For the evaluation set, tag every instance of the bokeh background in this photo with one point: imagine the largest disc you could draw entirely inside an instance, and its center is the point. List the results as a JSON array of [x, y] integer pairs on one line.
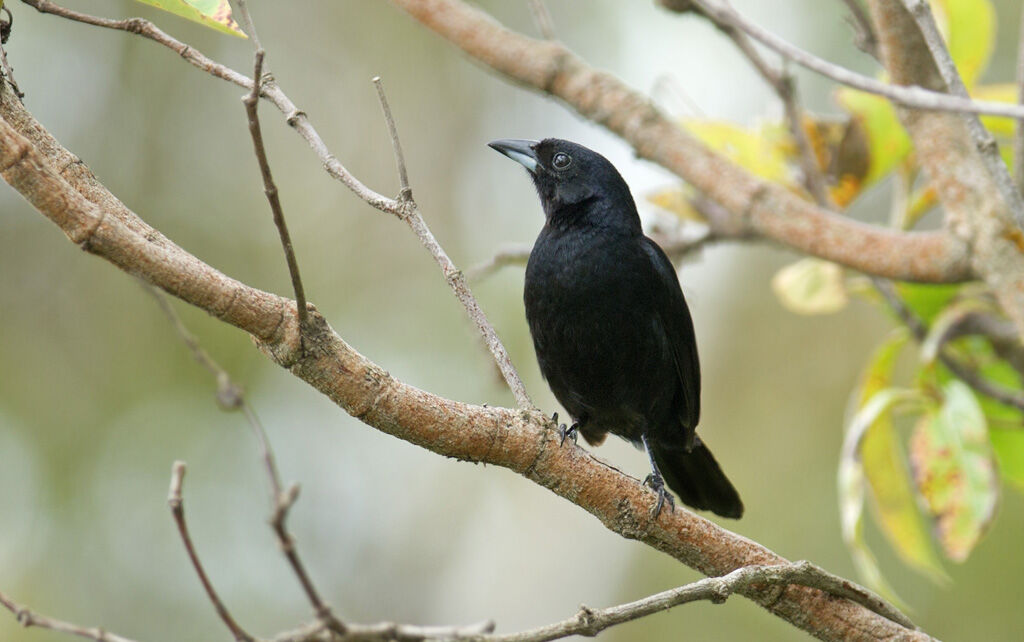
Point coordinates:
[[98, 396]]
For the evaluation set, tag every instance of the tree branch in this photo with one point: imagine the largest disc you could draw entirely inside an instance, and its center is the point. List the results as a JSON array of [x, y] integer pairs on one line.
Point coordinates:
[[757, 207], [973, 200], [589, 622], [522, 441]]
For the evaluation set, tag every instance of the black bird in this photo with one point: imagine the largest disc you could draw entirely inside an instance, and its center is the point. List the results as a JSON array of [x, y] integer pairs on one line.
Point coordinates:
[[610, 326]]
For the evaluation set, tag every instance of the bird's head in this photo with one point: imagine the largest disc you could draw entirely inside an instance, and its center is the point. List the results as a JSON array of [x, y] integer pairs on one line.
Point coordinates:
[[571, 178]]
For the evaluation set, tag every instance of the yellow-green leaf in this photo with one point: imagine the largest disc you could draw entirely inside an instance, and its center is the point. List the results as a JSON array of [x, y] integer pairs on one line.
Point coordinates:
[[885, 469], [811, 286], [852, 486], [215, 14], [757, 150], [969, 27], [954, 469], [1009, 448]]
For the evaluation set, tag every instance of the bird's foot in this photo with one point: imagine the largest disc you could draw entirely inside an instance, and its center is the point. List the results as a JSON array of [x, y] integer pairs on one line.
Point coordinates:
[[563, 431], [657, 484], [572, 432]]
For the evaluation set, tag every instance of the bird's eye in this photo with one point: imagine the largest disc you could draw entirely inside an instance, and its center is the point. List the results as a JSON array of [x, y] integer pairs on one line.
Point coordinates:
[[561, 161]]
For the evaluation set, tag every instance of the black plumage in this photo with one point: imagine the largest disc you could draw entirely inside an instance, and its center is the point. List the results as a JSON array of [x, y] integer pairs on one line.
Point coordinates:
[[610, 326]]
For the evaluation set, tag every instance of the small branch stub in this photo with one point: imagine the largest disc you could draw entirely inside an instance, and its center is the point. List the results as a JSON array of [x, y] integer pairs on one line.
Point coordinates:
[[405, 194]]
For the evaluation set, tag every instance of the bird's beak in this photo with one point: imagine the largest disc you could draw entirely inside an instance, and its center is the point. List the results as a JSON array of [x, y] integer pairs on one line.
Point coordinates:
[[519, 150]]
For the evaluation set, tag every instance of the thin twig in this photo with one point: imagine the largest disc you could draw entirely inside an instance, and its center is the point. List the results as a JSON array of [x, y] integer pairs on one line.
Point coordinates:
[[409, 211], [542, 18], [175, 501], [866, 40], [299, 121], [914, 97], [960, 370], [982, 138], [278, 521], [251, 102], [403, 174], [27, 619], [1018, 136], [589, 622]]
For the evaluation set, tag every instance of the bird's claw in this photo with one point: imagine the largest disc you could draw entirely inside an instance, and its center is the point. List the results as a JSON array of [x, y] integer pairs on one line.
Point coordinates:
[[657, 484], [572, 432], [563, 431]]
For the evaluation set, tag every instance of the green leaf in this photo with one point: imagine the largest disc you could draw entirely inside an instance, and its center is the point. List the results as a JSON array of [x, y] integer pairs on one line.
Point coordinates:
[[927, 300], [884, 465], [969, 27], [811, 286], [1009, 448], [215, 14], [954, 469]]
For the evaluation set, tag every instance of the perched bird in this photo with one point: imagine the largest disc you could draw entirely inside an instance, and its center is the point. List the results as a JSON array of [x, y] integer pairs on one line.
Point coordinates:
[[611, 329]]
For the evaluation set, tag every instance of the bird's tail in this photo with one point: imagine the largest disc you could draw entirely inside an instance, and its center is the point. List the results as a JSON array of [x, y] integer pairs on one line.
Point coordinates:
[[698, 480]]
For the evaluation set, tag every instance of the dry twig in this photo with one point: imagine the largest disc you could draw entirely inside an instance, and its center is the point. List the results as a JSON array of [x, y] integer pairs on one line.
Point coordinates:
[[913, 97], [175, 501]]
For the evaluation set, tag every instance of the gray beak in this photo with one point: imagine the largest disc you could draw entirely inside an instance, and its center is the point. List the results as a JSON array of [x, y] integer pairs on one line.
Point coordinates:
[[519, 150]]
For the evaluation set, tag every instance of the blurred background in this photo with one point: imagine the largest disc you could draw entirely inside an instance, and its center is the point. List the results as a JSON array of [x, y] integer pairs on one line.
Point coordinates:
[[98, 396]]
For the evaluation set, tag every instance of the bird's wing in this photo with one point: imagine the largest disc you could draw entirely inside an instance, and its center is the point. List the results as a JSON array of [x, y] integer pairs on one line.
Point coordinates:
[[675, 319]]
